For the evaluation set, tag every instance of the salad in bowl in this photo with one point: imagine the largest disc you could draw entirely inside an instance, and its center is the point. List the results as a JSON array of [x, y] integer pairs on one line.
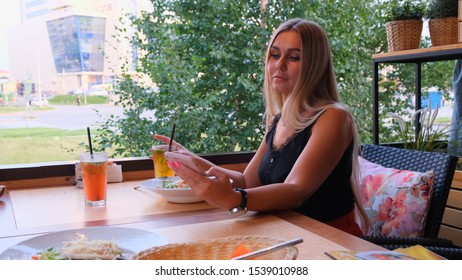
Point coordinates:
[[172, 189]]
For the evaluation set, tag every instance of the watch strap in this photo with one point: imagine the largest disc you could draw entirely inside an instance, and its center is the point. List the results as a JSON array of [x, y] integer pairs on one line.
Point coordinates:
[[243, 204]]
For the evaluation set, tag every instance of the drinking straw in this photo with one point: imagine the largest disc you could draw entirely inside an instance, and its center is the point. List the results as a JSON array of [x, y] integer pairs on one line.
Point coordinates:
[[171, 137], [89, 141]]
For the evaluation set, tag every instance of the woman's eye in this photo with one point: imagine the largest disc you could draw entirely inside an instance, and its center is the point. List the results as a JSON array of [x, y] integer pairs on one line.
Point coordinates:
[[294, 58], [275, 56]]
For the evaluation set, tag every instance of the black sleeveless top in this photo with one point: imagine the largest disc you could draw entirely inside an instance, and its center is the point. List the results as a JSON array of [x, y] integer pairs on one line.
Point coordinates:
[[333, 199]]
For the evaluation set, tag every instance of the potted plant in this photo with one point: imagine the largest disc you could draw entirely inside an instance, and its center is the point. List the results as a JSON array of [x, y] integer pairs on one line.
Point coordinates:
[[442, 24], [404, 22], [430, 137]]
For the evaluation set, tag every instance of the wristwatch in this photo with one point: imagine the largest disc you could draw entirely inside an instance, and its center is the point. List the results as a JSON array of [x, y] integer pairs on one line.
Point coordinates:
[[241, 209]]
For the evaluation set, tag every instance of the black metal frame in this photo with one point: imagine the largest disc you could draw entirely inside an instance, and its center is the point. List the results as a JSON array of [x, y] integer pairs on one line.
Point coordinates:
[[417, 57]]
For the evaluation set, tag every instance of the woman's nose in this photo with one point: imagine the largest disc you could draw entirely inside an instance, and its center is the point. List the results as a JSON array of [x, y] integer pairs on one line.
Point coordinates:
[[281, 64]]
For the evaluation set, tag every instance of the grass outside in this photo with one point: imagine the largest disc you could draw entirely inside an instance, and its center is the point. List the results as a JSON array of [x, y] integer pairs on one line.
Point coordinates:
[[72, 99], [58, 100], [443, 120], [32, 145], [14, 109]]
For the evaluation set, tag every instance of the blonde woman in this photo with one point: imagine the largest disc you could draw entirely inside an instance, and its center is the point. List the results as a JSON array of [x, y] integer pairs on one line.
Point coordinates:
[[307, 160]]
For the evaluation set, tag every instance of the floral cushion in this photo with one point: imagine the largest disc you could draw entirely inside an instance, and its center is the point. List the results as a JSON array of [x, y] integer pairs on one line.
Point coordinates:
[[396, 201]]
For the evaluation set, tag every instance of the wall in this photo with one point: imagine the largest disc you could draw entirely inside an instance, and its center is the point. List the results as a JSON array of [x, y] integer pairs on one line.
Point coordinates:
[[451, 227]]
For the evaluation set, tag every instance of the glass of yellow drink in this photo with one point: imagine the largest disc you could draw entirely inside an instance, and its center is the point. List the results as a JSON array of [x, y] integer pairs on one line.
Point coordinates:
[[161, 168], [94, 173]]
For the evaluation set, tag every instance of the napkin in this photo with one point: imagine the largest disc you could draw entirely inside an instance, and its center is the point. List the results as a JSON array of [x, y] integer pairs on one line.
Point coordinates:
[[420, 253]]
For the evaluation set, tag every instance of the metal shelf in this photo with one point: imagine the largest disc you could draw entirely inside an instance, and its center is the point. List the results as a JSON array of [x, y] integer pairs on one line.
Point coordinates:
[[416, 56]]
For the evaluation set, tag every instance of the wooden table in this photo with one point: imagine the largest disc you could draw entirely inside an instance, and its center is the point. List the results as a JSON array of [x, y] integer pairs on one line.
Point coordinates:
[[25, 213]]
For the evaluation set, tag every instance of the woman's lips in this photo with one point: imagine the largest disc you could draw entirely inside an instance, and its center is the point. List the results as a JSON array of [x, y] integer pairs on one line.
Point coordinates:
[[279, 78]]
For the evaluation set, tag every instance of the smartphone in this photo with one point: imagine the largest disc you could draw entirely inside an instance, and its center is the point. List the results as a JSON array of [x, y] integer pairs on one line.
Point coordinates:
[[187, 160]]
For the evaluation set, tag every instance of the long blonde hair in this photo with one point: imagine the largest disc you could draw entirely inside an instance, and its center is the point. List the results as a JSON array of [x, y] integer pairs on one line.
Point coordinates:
[[315, 91]]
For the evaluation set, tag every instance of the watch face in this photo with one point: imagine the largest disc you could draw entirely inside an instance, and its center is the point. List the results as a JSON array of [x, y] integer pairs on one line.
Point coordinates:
[[237, 211]]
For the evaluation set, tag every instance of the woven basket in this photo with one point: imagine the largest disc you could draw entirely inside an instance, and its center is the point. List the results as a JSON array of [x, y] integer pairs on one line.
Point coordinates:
[[217, 249], [403, 34], [443, 31]]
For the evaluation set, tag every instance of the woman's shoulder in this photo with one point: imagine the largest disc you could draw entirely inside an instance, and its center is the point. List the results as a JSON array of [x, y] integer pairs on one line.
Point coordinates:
[[335, 111], [335, 123], [335, 115]]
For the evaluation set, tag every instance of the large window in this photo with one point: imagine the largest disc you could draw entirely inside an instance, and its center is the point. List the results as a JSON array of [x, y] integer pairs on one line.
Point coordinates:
[[198, 64]]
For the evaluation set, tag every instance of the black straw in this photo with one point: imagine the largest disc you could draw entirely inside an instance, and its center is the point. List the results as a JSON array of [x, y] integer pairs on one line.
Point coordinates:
[[89, 141], [171, 137]]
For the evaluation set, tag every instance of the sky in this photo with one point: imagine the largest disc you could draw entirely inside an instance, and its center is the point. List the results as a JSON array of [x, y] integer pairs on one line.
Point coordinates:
[[9, 16]]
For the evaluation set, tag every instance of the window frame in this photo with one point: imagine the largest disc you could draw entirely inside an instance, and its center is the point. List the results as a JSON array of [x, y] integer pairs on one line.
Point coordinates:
[[46, 170]]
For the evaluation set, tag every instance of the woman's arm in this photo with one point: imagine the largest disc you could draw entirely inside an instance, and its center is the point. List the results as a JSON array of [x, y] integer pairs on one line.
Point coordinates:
[[331, 136], [248, 179]]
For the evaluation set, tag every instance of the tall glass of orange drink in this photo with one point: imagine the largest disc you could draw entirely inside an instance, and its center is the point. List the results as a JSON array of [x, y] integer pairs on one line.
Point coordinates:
[[161, 168], [94, 173]]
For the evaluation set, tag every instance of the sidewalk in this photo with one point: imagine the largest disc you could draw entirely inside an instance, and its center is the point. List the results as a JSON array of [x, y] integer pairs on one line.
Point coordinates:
[[69, 117]]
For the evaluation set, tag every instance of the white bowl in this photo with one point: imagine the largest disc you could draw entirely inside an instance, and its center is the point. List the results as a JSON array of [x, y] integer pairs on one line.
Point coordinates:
[[175, 195]]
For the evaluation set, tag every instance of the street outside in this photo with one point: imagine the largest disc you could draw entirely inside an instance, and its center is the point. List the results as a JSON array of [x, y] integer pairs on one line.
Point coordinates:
[[71, 117], [74, 117]]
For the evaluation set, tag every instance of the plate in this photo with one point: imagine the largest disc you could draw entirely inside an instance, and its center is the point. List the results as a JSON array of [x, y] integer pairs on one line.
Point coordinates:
[[131, 241], [175, 195]]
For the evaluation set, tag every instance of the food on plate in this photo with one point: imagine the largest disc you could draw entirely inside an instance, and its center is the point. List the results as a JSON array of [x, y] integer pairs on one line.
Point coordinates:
[[82, 249], [91, 249], [171, 184], [48, 254], [241, 250]]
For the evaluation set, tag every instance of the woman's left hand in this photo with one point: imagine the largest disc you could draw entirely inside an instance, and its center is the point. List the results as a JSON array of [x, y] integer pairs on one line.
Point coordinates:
[[214, 186]]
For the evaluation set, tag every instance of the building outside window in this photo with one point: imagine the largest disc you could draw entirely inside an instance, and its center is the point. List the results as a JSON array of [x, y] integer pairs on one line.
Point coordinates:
[[77, 43], [58, 48]]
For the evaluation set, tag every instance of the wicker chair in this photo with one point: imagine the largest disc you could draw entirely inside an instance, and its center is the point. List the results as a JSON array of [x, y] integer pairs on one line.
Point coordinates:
[[444, 166]]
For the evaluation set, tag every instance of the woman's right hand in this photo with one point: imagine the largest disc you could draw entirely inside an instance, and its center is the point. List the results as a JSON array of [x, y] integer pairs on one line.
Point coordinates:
[[214, 186]]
